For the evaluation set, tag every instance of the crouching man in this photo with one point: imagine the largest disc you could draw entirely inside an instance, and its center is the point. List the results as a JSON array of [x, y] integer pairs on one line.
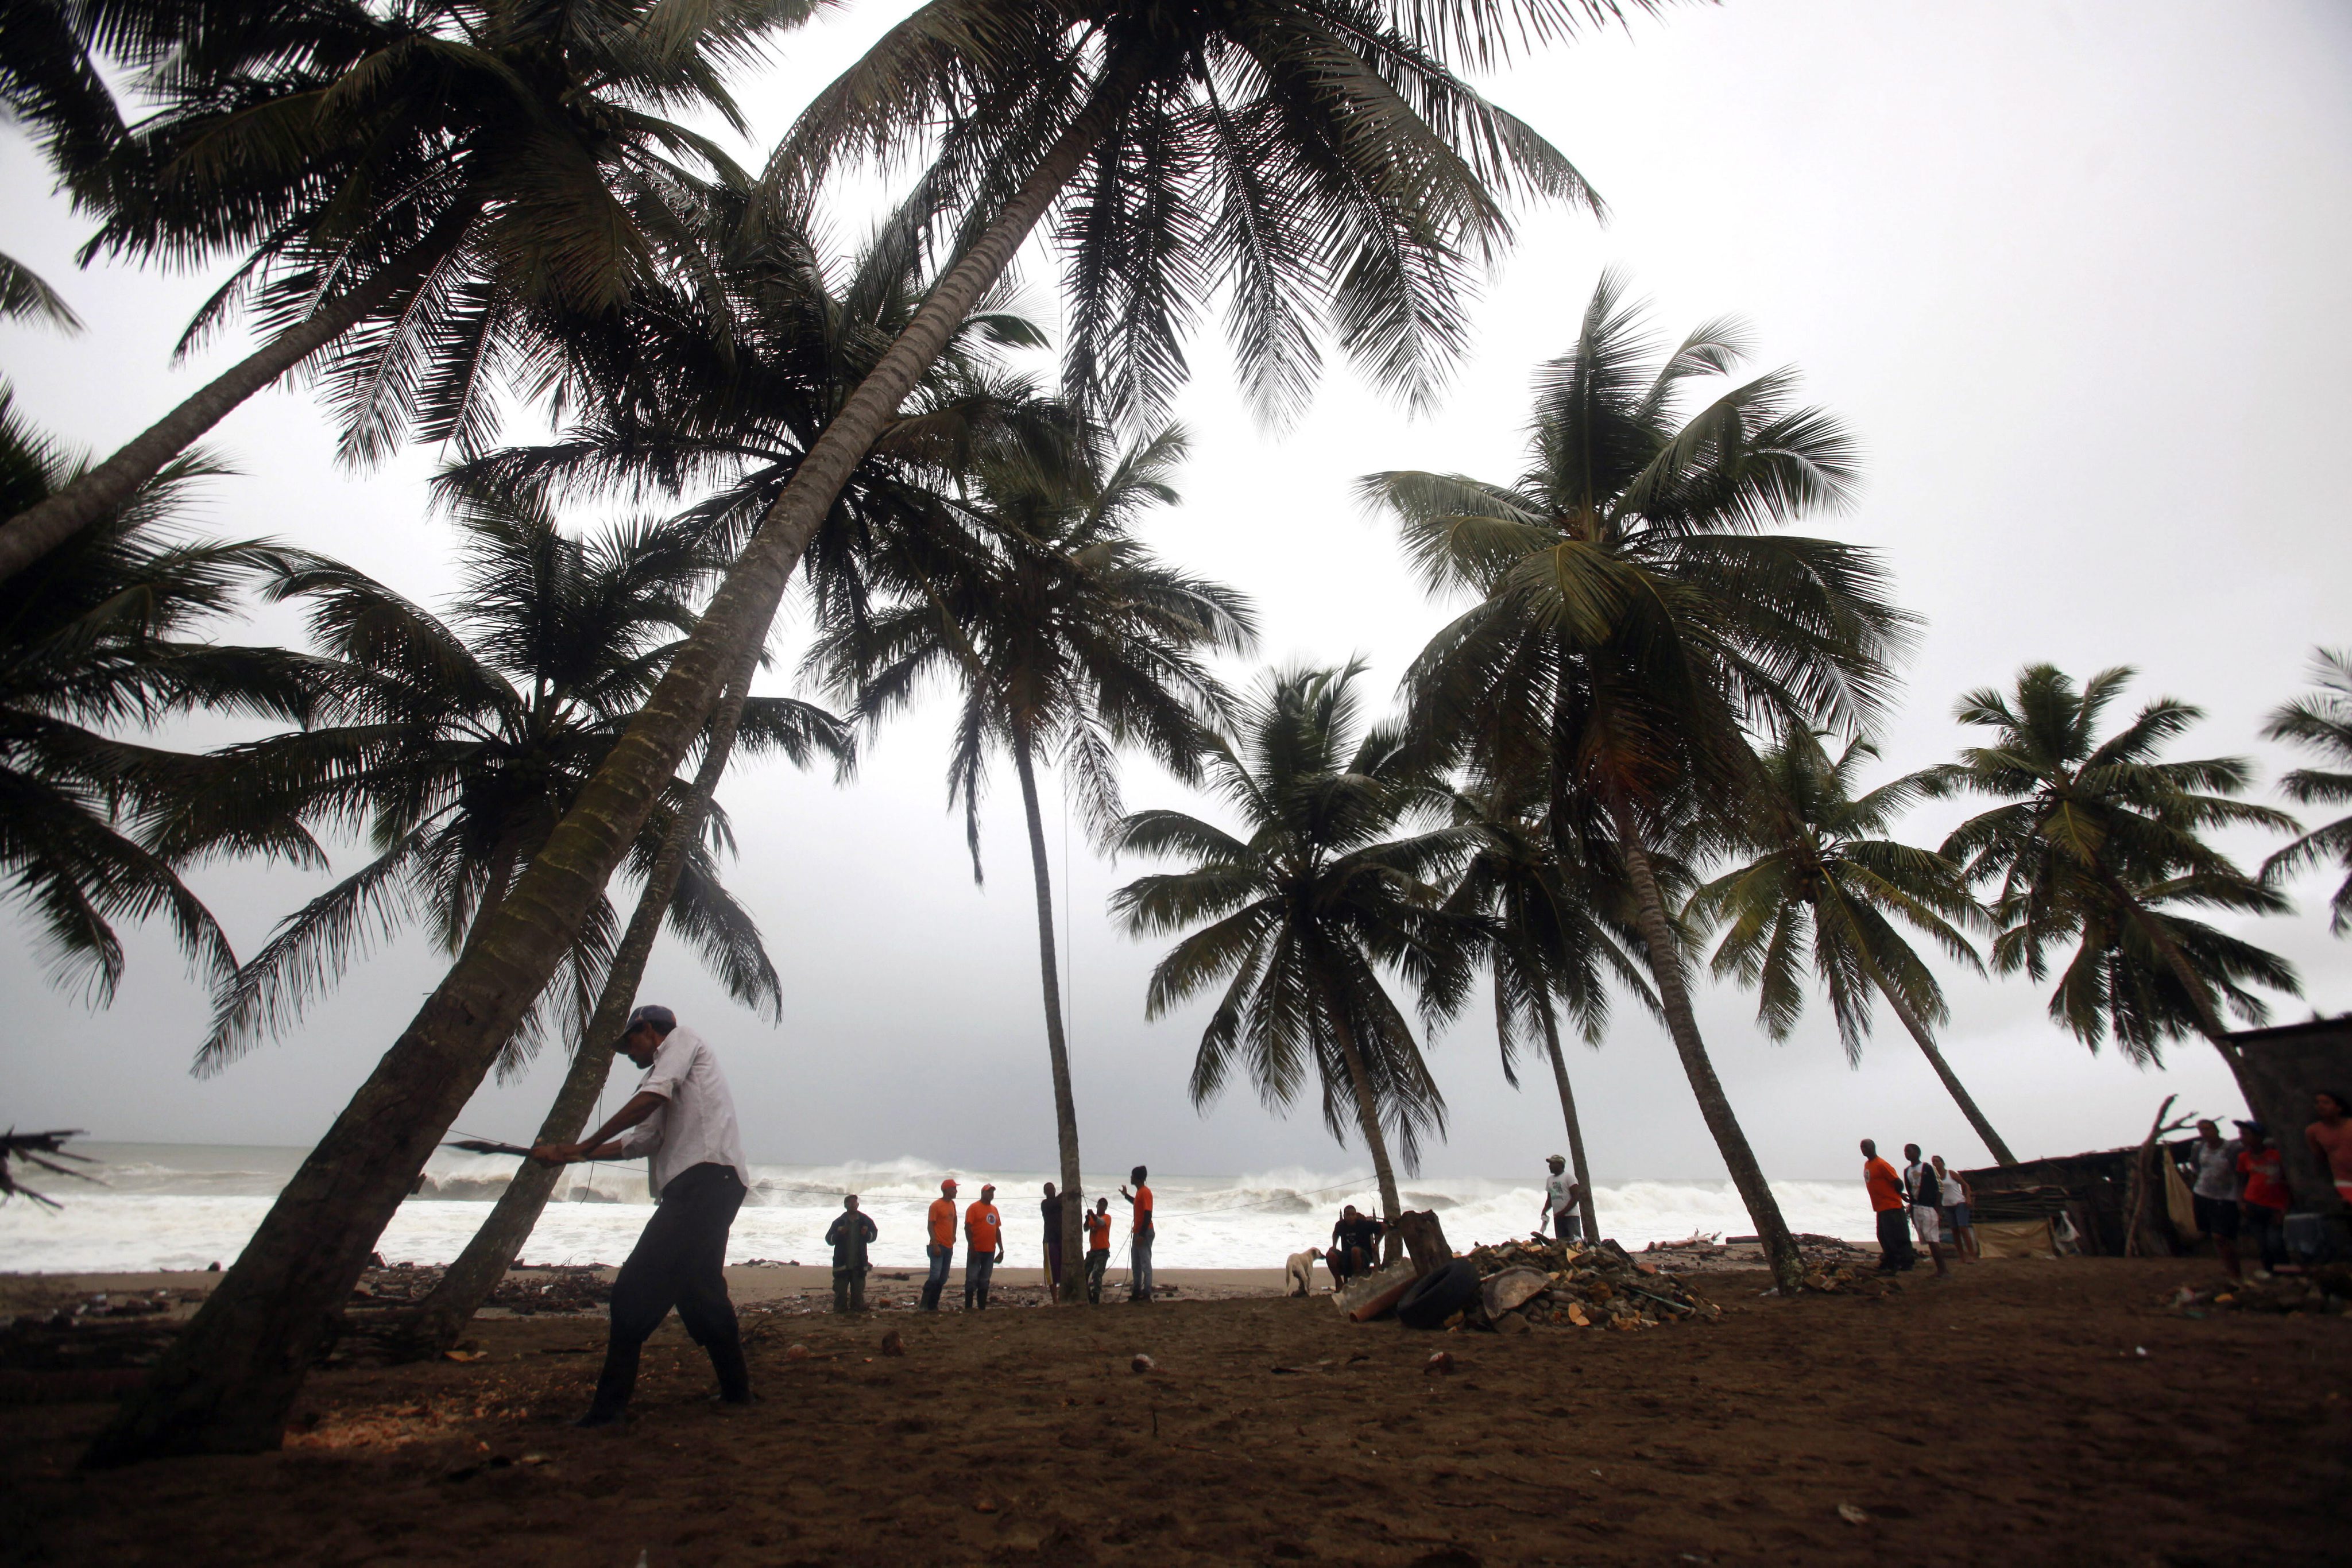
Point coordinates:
[[683, 1119]]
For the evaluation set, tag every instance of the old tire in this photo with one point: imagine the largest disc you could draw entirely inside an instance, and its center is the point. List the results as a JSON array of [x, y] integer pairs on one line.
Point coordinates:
[[1433, 1298]]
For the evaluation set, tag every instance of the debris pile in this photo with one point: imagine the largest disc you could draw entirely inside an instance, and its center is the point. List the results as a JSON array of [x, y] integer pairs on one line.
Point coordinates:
[[98, 1333], [2325, 1289], [541, 1289], [1539, 1282]]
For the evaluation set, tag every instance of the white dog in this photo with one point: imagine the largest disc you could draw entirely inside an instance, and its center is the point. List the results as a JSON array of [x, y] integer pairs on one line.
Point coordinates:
[[1298, 1274]]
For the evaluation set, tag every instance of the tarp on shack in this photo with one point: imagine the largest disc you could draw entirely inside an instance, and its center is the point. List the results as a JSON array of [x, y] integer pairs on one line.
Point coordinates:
[[2015, 1238]]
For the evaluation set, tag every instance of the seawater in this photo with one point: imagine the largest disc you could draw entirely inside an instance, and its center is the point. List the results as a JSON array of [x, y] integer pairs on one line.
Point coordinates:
[[188, 1205]]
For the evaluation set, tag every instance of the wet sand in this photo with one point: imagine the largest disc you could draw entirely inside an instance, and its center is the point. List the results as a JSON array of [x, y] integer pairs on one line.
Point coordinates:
[[2007, 1415]]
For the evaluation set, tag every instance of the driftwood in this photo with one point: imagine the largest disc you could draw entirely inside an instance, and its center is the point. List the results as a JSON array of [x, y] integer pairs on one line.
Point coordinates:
[[2143, 1176], [1425, 1237]]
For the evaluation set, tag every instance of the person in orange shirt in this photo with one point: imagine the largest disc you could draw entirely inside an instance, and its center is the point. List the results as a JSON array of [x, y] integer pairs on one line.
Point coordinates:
[[1887, 1200], [939, 1245], [1140, 1243], [1097, 1250], [983, 1235]]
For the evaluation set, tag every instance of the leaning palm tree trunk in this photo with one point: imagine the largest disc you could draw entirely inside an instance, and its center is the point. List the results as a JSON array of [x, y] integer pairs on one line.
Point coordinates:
[[1575, 1127], [1368, 1113], [228, 1382], [1057, 1045], [443, 1315], [40, 528], [1665, 966], [1952, 1085]]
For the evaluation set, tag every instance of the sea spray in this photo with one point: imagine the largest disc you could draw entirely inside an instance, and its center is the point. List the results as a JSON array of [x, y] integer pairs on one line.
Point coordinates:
[[173, 1206]]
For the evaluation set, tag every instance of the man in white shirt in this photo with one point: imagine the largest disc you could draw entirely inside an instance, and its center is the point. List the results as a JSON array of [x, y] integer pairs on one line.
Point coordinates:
[[1924, 1193], [2214, 1195], [1561, 1198], [683, 1119]]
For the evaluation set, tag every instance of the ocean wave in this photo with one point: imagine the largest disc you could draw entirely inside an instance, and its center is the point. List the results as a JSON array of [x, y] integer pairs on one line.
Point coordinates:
[[1253, 1221]]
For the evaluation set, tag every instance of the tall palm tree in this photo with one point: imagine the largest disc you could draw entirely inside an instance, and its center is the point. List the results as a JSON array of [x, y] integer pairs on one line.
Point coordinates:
[[731, 399], [1826, 883], [1559, 931], [432, 189], [1067, 640], [2098, 844], [108, 636], [458, 742], [1637, 608], [2321, 722], [1296, 916], [1359, 179]]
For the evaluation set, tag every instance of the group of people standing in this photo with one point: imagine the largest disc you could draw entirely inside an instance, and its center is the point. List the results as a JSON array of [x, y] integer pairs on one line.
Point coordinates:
[[983, 1235], [1927, 1204], [2240, 1192]]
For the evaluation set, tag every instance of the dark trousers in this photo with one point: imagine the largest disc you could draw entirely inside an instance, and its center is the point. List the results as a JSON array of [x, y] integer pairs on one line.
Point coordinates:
[[1098, 1259], [1569, 1226], [978, 1267], [1894, 1250], [941, 1258], [849, 1289], [2266, 1228], [678, 1261], [1138, 1258]]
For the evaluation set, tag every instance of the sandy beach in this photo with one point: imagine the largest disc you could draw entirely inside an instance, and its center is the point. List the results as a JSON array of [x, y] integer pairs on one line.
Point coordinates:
[[2021, 1411]]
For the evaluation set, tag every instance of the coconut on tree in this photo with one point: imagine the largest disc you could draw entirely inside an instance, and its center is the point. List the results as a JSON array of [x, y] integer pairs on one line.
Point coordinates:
[[1827, 887], [2098, 846], [1297, 919], [1636, 608]]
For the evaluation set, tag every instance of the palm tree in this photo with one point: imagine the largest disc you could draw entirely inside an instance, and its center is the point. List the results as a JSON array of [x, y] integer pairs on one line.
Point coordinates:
[[1826, 883], [108, 636], [1357, 179], [731, 399], [2098, 845], [1558, 932], [2321, 722], [459, 743], [1297, 919], [1636, 610], [1067, 640], [433, 188]]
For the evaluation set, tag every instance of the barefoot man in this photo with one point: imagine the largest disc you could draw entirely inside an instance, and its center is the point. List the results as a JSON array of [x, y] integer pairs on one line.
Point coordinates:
[[683, 1119]]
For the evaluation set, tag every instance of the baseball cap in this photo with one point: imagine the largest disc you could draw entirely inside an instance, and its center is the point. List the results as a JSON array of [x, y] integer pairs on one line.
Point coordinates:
[[660, 1017]]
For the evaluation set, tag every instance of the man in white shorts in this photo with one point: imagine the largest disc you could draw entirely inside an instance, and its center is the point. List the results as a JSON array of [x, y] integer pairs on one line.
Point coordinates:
[[1925, 1194]]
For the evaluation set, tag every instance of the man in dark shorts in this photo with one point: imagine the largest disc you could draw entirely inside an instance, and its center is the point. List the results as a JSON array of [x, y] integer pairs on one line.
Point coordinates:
[[2214, 1193]]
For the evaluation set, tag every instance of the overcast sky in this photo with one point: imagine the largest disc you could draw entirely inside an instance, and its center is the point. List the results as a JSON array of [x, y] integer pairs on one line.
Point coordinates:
[[2075, 276]]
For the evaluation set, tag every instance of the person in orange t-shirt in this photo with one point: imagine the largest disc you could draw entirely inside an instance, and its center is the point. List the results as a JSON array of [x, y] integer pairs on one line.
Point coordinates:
[[1887, 1202], [1140, 1243], [1097, 1250], [939, 1244], [983, 1234]]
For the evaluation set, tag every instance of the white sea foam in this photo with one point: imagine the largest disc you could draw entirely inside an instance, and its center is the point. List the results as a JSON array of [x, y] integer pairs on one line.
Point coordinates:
[[166, 1207]]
